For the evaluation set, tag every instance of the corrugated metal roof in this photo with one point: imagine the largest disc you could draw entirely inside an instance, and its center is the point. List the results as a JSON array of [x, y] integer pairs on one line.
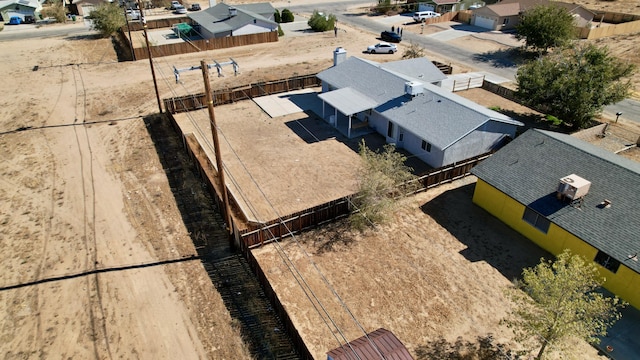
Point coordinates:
[[348, 101], [386, 344], [529, 169]]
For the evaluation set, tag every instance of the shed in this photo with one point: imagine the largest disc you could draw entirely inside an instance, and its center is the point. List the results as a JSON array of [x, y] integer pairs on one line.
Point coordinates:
[[380, 344]]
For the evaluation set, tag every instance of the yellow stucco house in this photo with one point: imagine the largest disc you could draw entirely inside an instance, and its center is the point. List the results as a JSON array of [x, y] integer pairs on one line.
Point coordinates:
[[564, 193]]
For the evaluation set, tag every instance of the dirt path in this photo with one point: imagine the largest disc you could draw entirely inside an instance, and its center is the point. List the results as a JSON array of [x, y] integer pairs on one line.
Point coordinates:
[[86, 213]]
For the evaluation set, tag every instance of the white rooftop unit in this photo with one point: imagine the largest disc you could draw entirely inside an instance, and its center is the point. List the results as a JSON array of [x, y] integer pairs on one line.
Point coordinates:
[[233, 11], [573, 187], [413, 88]]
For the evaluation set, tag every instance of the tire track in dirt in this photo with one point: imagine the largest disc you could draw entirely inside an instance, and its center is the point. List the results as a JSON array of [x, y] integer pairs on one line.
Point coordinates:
[[96, 309], [48, 222]]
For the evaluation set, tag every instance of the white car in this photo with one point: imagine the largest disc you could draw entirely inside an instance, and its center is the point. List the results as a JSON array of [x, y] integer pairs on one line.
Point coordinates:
[[382, 48], [180, 9], [421, 16]]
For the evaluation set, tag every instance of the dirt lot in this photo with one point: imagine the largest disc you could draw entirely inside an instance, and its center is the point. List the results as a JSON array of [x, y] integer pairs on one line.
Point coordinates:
[[76, 200]]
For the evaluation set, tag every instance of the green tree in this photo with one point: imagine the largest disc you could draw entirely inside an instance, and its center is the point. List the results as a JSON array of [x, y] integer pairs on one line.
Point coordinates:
[[321, 22], [280, 31], [559, 299], [413, 51], [382, 180], [107, 18], [276, 16], [574, 84], [384, 6], [287, 16], [546, 26], [55, 10]]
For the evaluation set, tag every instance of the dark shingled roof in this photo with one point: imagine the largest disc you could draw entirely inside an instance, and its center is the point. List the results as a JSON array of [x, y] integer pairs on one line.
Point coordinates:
[[385, 342], [529, 170]]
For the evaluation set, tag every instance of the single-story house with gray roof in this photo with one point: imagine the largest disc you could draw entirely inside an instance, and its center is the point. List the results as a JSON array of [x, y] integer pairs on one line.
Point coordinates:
[[564, 193], [224, 20], [506, 14], [402, 101], [19, 8]]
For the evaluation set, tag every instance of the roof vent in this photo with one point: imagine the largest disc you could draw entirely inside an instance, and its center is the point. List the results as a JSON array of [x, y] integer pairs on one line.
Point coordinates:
[[573, 187], [233, 11]]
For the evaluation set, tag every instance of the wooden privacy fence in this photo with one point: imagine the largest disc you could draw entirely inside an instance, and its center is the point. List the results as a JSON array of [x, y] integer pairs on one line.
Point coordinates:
[[155, 24], [609, 30], [258, 235], [244, 92], [295, 223], [200, 45], [290, 328], [450, 16], [446, 69]]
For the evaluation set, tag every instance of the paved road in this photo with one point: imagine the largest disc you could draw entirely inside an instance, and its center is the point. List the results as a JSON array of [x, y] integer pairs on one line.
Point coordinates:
[[498, 64], [28, 31]]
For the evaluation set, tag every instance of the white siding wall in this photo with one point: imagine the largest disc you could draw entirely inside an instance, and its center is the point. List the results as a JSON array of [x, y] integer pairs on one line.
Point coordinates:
[[413, 144]]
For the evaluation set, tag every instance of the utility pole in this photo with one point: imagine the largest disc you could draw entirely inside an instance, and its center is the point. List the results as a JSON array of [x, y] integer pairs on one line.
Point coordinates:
[[153, 72], [216, 143]]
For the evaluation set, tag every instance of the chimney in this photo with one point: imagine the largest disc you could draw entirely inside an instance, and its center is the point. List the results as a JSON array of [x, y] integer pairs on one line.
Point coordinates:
[[233, 11], [339, 55]]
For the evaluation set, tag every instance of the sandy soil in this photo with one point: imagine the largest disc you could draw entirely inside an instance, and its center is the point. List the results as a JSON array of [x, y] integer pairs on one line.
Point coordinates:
[[439, 271], [76, 199], [82, 190]]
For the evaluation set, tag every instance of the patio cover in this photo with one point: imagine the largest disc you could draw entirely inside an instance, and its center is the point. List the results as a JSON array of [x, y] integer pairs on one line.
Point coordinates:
[[348, 100]]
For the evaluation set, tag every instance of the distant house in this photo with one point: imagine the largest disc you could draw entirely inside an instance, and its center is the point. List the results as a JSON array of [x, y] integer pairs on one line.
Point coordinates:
[[224, 20], [564, 193], [84, 7], [505, 15], [20, 8], [380, 344], [402, 101], [440, 6]]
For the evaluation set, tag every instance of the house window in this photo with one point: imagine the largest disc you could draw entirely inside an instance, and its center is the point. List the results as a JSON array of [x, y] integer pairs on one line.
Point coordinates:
[[401, 137], [369, 112], [426, 146], [538, 221], [505, 21], [390, 130], [607, 261]]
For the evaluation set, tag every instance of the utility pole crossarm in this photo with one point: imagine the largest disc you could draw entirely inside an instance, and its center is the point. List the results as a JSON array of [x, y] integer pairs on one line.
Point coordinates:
[[217, 65]]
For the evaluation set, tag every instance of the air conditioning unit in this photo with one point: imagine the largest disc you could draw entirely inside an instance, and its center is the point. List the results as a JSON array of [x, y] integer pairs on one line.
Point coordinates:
[[413, 88], [573, 187]]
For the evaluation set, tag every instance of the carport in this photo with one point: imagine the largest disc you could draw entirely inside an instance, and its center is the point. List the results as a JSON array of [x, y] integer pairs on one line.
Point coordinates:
[[347, 101]]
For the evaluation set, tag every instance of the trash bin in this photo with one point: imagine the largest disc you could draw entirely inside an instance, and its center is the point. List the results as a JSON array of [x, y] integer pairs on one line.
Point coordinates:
[[73, 17]]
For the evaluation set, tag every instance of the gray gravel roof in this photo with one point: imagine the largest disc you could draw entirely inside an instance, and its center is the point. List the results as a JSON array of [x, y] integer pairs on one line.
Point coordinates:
[[216, 19], [529, 169], [437, 115]]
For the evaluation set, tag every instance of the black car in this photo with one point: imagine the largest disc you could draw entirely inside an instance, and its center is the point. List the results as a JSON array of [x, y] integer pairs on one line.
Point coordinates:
[[390, 36], [195, 7]]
